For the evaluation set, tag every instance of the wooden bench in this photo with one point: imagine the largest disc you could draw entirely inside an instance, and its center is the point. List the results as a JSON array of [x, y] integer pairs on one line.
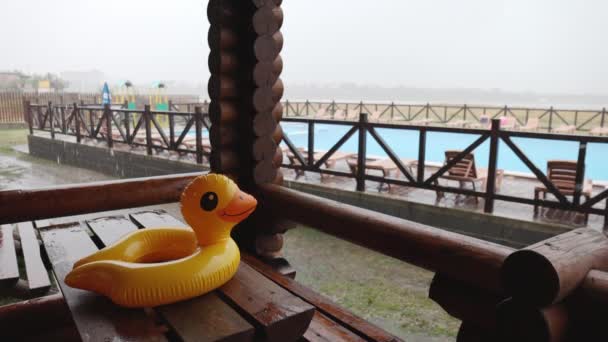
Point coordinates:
[[257, 304]]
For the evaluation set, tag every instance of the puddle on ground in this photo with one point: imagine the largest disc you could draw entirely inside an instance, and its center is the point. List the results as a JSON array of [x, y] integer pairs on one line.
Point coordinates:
[[21, 171]]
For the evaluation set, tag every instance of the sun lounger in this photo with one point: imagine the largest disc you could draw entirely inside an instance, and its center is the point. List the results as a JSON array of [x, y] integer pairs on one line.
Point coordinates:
[[457, 123], [531, 125], [384, 165], [329, 163], [465, 171], [340, 114], [599, 131], [421, 122], [564, 129], [562, 173]]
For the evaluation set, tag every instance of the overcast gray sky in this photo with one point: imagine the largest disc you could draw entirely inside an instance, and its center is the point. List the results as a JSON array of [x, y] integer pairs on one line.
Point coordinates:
[[538, 45]]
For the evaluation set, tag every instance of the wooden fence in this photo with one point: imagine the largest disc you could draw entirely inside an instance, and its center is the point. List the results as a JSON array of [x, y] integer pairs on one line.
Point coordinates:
[[547, 119], [12, 110], [303, 160], [181, 132]]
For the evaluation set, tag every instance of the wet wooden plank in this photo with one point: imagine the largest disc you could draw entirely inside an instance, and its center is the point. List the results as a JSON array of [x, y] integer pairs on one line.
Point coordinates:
[[323, 329], [42, 223], [277, 314], [9, 270], [327, 307], [96, 317], [37, 276], [110, 229], [155, 218], [205, 318]]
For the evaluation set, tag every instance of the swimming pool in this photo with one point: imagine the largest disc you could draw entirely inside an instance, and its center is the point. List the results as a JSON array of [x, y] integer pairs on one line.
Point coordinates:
[[405, 145]]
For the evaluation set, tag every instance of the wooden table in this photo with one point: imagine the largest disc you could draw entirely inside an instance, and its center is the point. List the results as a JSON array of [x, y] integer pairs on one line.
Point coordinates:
[[257, 304], [247, 306], [384, 165]]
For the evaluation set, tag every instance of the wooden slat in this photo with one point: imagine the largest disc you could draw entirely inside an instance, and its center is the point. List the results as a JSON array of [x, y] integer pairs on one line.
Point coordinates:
[[323, 329], [110, 229], [96, 317], [205, 318], [9, 271], [279, 315], [323, 305], [155, 218], [37, 276]]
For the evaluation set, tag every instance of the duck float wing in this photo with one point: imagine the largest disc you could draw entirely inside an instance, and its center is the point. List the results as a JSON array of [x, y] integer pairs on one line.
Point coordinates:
[[146, 285], [148, 245]]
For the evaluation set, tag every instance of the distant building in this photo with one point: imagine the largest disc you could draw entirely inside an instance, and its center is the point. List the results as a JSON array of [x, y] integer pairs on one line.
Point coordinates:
[[12, 80], [84, 81]]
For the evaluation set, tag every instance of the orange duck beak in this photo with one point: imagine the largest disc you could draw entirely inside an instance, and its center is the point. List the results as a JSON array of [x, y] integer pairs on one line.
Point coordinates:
[[241, 206]]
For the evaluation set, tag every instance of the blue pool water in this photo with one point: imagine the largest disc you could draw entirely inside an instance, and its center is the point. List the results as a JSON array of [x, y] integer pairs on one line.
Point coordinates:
[[405, 145]]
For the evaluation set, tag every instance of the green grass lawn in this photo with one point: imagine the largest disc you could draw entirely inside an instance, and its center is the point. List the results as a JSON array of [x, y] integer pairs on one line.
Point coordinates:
[[383, 290], [11, 137]]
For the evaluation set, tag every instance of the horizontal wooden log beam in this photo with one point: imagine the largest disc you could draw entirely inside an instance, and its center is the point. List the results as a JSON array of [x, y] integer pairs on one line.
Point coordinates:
[[29, 205], [548, 271], [222, 63], [267, 20], [470, 260]]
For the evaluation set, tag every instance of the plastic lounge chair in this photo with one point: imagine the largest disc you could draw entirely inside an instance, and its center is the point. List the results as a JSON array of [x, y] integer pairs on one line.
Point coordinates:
[[565, 129], [457, 123], [531, 125], [465, 171], [562, 173], [484, 122], [598, 130], [340, 114], [507, 122]]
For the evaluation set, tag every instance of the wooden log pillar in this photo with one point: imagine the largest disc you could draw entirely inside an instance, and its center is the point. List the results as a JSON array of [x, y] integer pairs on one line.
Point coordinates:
[[245, 110]]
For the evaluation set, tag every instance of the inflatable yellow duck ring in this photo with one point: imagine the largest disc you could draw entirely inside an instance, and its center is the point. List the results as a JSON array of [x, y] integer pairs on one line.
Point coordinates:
[[157, 266]]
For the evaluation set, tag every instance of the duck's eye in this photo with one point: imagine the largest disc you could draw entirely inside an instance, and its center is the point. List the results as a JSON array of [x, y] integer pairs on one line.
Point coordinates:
[[209, 201]]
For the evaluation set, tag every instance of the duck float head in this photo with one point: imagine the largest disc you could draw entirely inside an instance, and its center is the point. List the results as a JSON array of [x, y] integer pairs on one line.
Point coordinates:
[[157, 266], [212, 205]]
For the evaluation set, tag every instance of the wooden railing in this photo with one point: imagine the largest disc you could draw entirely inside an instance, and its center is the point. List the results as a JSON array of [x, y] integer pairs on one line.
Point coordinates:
[[470, 279], [112, 124], [549, 119], [308, 162]]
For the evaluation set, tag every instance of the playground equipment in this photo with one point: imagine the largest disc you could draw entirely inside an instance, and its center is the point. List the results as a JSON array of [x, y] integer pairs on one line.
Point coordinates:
[[126, 94]]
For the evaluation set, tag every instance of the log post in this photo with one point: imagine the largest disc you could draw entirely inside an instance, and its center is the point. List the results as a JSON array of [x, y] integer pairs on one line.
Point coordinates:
[[147, 117], [520, 322], [546, 272], [28, 115], [77, 123], [198, 122], [107, 114], [362, 152], [172, 127], [49, 109], [493, 161], [465, 302], [245, 109]]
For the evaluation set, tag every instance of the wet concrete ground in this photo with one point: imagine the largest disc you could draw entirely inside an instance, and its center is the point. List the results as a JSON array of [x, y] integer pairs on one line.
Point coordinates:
[[20, 171]]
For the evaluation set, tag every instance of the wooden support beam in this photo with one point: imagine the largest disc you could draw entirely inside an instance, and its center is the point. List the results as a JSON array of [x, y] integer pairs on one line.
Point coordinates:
[[518, 321]]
